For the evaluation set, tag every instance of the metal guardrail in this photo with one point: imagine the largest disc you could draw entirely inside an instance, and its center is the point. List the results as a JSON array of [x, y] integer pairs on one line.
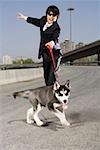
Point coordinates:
[[84, 63], [20, 66]]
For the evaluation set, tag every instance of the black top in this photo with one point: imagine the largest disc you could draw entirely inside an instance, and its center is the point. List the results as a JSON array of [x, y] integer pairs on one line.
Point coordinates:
[[51, 33]]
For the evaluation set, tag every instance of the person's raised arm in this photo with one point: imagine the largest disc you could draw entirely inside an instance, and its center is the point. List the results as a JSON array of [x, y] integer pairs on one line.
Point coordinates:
[[34, 21]]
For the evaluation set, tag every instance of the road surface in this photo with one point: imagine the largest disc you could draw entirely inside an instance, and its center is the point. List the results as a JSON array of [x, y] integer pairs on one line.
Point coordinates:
[[83, 113]]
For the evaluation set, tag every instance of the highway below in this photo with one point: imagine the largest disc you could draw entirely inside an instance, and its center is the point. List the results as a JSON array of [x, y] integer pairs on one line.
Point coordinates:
[[83, 113]]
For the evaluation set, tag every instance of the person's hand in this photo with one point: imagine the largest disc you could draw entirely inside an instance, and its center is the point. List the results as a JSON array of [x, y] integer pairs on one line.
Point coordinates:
[[50, 44], [21, 16]]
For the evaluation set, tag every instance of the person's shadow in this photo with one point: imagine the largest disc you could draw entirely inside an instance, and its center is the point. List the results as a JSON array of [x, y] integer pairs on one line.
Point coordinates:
[[79, 118]]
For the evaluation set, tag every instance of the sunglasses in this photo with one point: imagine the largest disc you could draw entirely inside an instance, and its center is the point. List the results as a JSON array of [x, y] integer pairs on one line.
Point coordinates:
[[51, 14]]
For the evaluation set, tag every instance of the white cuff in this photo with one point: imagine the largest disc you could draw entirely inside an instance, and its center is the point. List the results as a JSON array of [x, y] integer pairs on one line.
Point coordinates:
[[52, 43]]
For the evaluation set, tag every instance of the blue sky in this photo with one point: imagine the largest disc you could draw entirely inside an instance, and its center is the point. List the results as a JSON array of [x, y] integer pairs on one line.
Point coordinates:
[[18, 38]]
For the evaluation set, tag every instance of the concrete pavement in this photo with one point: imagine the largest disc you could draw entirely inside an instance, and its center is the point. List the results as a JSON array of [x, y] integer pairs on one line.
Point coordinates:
[[83, 113]]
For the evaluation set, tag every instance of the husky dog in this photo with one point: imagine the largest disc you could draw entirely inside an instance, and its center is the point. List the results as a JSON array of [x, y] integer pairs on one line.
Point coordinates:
[[54, 97]]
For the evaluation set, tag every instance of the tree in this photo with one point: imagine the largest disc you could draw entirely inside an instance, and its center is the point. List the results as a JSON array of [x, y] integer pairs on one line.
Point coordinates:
[[23, 61], [28, 61]]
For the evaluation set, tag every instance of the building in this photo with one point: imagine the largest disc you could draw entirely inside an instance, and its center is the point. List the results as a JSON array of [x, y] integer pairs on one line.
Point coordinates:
[[65, 46], [80, 44], [7, 60]]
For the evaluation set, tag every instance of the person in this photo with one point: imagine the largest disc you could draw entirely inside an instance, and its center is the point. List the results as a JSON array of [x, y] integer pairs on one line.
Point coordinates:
[[49, 34]]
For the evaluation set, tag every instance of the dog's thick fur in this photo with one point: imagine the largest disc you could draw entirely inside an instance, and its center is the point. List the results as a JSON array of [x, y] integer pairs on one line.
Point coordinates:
[[54, 97]]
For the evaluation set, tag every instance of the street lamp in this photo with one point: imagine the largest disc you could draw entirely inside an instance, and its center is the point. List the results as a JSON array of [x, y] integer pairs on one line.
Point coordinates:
[[70, 10]]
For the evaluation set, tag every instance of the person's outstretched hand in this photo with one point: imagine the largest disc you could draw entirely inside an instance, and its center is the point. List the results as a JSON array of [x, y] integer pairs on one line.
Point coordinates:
[[21, 16]]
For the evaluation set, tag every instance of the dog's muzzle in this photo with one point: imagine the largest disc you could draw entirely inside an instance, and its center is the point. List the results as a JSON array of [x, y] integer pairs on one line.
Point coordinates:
[[65, 104], [65, 101]]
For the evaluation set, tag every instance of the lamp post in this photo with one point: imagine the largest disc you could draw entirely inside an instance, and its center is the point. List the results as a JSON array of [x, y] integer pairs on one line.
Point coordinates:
[[70, 10]]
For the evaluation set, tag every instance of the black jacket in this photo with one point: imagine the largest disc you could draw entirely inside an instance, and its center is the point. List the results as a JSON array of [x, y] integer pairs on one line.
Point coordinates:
[[51, 33]]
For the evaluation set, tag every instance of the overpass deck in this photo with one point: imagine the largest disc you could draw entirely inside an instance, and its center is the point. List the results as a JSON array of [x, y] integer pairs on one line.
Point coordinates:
[[87, 50]]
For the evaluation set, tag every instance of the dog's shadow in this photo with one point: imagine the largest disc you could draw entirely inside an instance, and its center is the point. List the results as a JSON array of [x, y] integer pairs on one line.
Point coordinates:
[[48, 123], [17, 120], [75, 118], [53, 123]]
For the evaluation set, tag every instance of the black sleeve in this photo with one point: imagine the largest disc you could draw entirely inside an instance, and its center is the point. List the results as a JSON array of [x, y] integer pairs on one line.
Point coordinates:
[[34, 21], [37, 22]]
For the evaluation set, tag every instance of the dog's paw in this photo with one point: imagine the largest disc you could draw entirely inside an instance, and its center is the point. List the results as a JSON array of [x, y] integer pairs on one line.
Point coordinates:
[[30, 121], [66, 123], [39, 123]]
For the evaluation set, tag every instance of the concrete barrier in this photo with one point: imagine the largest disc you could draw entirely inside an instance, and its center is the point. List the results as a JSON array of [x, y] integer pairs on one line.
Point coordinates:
[[18, 75]]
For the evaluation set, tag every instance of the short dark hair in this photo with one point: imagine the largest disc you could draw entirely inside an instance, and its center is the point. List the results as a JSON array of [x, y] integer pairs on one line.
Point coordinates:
[[53, 9]]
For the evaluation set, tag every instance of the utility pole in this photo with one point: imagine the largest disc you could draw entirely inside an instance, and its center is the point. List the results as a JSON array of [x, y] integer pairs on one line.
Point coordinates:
[[70, 10]]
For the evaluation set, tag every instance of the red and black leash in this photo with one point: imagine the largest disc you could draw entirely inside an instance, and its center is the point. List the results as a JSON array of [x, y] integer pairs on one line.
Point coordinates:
[[53, 62]]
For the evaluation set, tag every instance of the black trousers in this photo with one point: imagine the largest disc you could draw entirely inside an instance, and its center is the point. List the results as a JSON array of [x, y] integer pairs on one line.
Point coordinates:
[[49, 75]]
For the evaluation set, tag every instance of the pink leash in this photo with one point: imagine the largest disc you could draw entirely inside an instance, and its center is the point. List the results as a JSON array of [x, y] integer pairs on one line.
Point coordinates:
[[53, 62]]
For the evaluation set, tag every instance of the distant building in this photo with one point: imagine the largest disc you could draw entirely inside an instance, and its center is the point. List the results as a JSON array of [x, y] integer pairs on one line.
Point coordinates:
[[80, 44], [7, 60], [65, 46]]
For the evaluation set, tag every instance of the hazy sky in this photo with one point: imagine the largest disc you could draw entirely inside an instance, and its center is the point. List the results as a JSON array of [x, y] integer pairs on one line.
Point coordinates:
[[18, 38]]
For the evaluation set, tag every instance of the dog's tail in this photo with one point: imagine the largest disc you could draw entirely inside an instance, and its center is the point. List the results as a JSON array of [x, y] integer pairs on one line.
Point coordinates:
[[23, 94]]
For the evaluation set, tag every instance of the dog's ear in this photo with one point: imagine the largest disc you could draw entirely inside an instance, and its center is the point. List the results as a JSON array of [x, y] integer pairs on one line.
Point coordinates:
[[56, 85], [67, 84]]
